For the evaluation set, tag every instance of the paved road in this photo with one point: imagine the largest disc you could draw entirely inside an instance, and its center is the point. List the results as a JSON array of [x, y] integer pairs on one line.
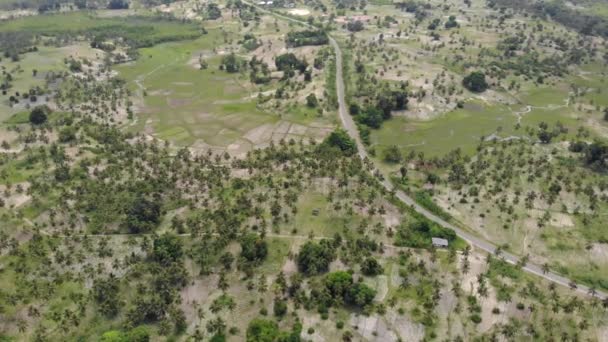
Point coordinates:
[[350, 126]]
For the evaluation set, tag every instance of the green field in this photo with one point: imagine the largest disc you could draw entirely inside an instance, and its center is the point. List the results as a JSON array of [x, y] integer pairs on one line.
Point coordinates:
[[185, 104], [460, 128], [149, 29]]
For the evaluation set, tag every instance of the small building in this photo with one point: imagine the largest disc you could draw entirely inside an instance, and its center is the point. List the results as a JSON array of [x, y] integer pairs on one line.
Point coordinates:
[[439, 242]]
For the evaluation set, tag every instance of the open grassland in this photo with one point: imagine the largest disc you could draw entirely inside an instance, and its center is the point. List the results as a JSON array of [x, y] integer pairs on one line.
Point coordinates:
[[146, 28], [44, 61], [209, 107], [460, 128]]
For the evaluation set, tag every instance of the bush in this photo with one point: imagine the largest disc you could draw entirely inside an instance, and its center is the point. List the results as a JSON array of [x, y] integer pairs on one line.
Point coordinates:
[[113, 336], [143, 216], [307, 37], [212, 11], [371, 267], [314, 258], [360, 295], [355, 26], [230, 63], [263, 330], [167, 249], [311, 101], [475, 82], [451, 23], [392, 155], [341, 140], [39, 115], [475, 318], [289, 61], [67, 134], [118, 4], [139, 334], [280, 307], [253, 248]]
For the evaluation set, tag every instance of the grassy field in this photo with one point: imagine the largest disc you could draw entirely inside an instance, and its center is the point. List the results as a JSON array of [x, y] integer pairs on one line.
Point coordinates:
[[460, 128], [187, 105], [45, 60], [80, 22]]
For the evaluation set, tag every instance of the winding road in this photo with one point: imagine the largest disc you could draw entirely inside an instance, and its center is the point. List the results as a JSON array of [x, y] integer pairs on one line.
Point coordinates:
[[350, 127]]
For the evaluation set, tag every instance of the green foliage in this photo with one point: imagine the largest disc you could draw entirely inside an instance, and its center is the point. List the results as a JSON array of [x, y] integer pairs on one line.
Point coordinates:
[[418, 234], [106, 294], [342, 141], [451, 23], [311, 101], [67, 134], [392, 155], [475, 82], [279, 307], [134, 31], [338, 283], [355, 26], [218, 337], [371, 267], [167, 249], [250, 42], [263, 330], [596, 156], [288, 62], [341, 289], [212, 11], [138, 334], [113, 336], [118, 4], [370, 116], [230, 63], [307, 37], [314, 258], [561, 13], [424, 199], [39, 115], [360, 295], [253, 248], [143, 215], [499, 267]]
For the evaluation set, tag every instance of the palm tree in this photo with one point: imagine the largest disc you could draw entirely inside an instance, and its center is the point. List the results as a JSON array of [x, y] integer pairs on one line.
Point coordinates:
[[22, 325], [545, 268]]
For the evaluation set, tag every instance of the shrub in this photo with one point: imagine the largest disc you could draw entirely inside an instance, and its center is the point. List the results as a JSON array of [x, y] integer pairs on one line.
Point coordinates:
[[341, 140], [280, 307], [143, 215], [39, 115], [253, 248], [307, 37], [371, 267], [355, 26], [392, 155], [476, 318], [475, 82], [311, 101], [314, 258], [167, 249]]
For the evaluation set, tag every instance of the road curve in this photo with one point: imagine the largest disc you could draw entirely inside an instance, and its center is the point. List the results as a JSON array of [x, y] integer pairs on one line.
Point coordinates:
[[351, 128]]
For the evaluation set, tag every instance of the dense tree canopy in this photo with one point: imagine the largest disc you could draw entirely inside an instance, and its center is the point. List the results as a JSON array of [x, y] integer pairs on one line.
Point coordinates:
[[475, 82], [314, 258]]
